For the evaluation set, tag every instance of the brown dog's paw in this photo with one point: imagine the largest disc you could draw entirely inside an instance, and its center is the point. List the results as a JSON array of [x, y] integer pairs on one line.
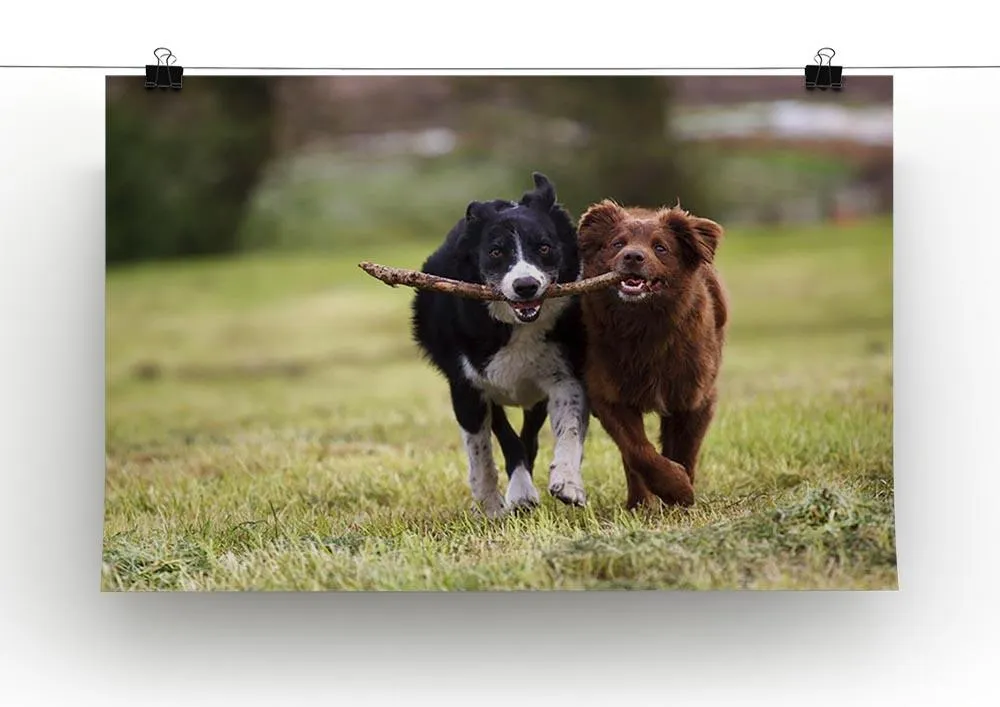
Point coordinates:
[[643, 503], [670, 482]]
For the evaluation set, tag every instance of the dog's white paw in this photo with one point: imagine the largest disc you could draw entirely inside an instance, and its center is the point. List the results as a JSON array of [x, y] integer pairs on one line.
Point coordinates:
[[521, 492], [492, 506], [566, 485]]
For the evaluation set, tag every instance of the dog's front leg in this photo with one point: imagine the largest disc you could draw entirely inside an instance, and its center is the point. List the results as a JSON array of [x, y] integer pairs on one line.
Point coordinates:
[[569, 414], [663, 477], [473, 415], [638, 493]]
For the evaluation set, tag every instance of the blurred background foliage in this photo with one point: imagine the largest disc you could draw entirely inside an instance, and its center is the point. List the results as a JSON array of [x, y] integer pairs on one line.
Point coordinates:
[[181, 173], [233, 164]]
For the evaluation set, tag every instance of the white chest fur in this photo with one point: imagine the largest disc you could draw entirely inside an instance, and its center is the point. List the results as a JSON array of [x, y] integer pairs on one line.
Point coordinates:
[[523, 371]]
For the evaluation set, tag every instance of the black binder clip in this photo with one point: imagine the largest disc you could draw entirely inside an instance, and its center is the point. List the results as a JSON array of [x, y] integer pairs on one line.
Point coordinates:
[[164, 74], [824, 75]]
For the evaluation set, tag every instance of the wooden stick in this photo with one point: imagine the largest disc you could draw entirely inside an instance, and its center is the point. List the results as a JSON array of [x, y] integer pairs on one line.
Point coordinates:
[[423, 281]]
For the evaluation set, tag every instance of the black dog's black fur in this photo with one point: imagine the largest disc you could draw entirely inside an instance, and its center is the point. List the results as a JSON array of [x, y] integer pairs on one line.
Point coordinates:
[[448, 327]]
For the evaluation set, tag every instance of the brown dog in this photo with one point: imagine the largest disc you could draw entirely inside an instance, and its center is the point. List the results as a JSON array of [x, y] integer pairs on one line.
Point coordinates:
[[654, 343]]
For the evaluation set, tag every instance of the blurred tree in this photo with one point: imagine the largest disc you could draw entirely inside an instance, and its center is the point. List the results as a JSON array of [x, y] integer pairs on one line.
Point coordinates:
[[626, 151], [181, 166]]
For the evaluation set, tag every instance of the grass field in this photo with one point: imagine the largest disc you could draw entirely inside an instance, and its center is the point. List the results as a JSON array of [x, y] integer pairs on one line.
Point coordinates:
[[271, 427]]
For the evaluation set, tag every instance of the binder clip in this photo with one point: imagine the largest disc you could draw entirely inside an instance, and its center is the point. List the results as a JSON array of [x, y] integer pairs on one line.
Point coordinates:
[[164, 74], [824, 75]]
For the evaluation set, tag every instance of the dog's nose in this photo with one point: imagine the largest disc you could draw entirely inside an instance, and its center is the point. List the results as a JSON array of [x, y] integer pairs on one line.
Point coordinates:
[[633, 257], [526, 287]]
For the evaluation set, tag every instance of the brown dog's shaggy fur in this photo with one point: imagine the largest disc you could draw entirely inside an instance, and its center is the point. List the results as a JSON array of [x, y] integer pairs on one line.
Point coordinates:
[[654, 343]]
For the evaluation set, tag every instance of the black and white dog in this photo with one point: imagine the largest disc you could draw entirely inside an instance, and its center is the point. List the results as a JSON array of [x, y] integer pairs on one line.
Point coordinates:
[[524, 351]]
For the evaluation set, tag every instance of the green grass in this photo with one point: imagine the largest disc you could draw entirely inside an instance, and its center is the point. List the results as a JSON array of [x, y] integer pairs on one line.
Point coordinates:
[[271, 427]]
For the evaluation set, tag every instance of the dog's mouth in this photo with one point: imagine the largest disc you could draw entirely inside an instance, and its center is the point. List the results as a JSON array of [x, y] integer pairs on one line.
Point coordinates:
[[634, 287], [527, 311]]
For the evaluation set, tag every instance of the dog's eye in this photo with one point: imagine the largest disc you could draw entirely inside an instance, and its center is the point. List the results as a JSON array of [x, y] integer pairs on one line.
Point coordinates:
[[618, 245], [544, 249], [496, 253], [660, 248]]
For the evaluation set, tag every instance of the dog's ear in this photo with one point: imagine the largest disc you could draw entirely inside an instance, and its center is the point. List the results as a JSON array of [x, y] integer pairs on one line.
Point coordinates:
[[543, 196], [596, 224], [698, 237], [477, 214], [543, 199]]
